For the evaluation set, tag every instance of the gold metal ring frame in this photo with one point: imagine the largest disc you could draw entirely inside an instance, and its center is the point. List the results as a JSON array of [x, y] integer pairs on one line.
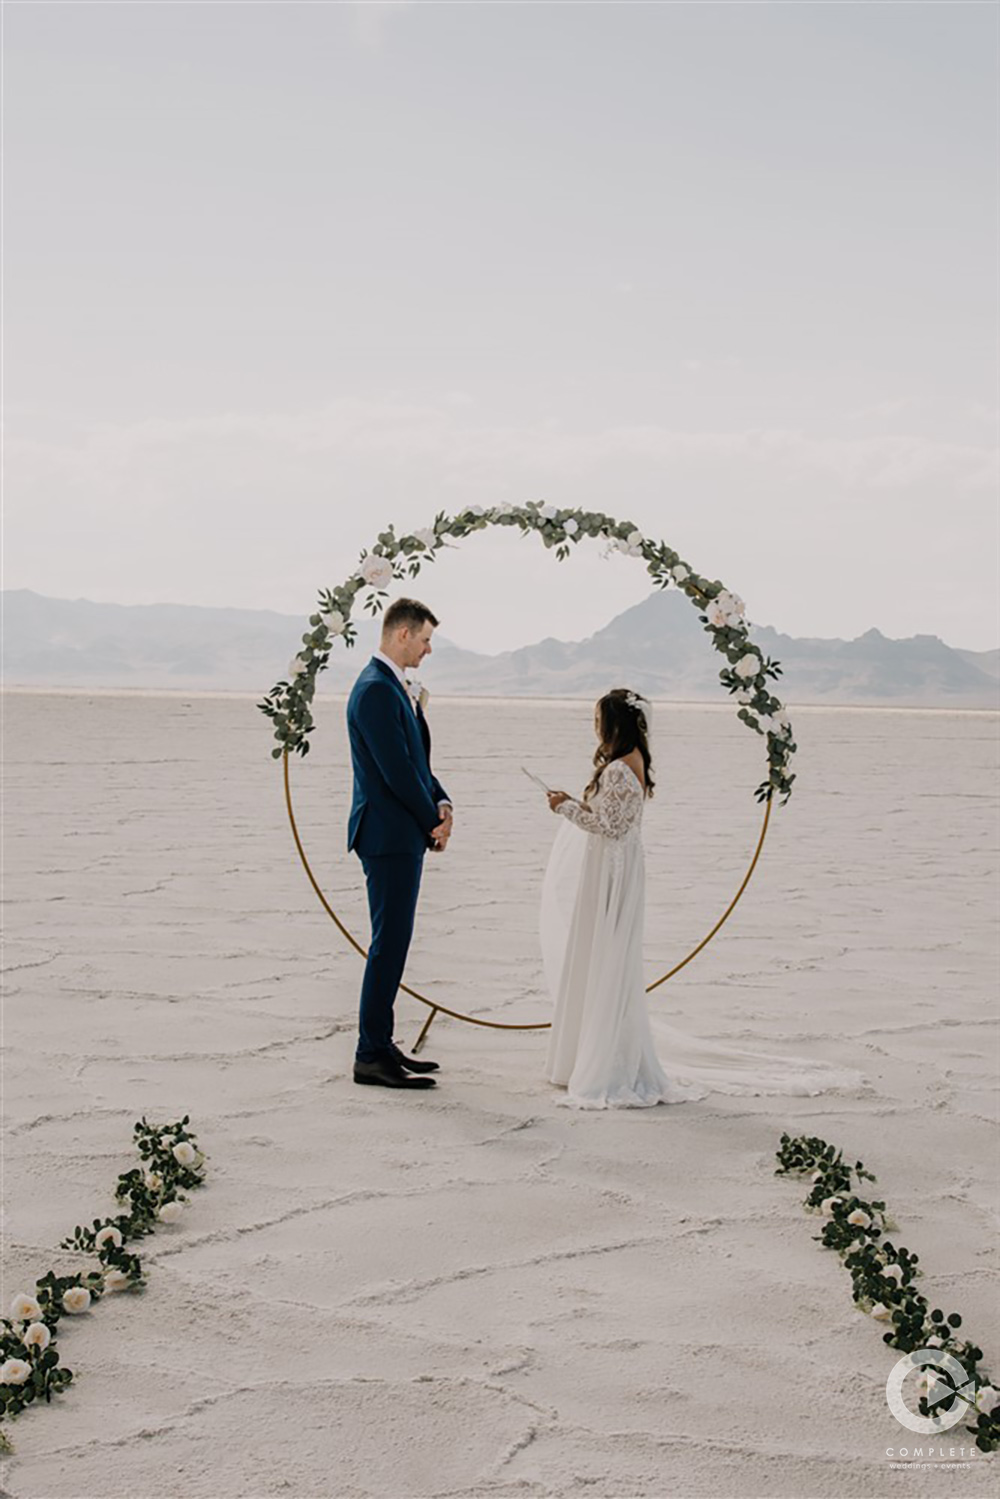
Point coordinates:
[[498, 1025]]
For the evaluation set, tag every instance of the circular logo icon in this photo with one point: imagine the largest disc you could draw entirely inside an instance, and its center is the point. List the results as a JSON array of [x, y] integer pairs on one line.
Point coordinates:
[[923, 1363]]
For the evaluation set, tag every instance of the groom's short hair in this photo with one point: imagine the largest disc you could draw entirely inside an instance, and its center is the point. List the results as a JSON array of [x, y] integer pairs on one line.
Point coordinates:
[[409, 612]]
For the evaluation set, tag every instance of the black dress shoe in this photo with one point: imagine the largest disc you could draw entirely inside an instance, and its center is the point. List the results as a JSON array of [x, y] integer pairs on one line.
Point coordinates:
[[412, 1065], [387, 1073]]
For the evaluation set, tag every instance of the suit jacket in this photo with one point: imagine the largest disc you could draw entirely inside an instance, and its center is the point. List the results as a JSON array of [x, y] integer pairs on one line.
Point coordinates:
[[396, 794]]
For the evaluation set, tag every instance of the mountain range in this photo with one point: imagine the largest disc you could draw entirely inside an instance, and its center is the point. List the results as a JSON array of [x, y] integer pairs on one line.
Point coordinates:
[[657, 647]]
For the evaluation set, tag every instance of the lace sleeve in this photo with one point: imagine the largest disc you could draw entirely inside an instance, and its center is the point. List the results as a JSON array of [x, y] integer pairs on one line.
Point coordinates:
[[614, 810]]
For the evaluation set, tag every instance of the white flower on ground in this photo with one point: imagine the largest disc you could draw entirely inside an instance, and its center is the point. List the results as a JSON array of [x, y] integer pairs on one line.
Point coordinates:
[[376, 571], [426, 537], [716, 615], [748, 666], [37, 1336], [185, 1153], [25, 1309], [76, 1299], [170, 1212], [881, 1313], [116, 1280], [14, 1371], [679, 573], [859, 1218], [334, 621], [153, 1180], [828, 1204], [893, 1272], [986, 1397], [571, 526], [548, 512], [108, 1235]]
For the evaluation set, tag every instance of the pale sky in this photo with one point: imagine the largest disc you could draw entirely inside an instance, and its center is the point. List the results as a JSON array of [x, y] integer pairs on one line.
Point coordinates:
[[278, 274]]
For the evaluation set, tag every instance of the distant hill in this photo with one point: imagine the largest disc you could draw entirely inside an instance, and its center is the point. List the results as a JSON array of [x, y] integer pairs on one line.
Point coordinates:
[[658, 647]]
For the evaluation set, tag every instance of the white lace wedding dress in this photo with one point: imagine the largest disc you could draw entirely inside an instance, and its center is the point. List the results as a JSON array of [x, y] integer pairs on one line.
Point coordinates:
[[601, 1046]]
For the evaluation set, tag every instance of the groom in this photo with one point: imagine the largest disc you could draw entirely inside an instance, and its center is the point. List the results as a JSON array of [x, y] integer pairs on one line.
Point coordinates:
[[399, 811]]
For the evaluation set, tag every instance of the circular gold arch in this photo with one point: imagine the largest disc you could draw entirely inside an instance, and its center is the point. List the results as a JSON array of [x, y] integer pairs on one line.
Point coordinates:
[[497, 1025]]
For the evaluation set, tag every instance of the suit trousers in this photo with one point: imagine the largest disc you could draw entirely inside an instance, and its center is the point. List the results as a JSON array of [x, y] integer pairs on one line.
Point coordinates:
[[393, 882]]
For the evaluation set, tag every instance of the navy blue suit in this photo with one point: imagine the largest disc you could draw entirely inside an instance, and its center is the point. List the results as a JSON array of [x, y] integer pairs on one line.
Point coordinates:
[[393, 811]]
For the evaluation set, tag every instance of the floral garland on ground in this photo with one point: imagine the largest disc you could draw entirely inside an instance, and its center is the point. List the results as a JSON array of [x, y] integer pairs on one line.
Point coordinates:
[[883, 1277], [393, 559], [151, 1193]]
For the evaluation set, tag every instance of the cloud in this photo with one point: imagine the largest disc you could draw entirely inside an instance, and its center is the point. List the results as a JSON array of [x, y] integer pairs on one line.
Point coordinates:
[[446, 439]]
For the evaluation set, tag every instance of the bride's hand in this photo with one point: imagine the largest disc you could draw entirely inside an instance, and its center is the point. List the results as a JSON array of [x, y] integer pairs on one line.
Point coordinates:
[[556, 799]]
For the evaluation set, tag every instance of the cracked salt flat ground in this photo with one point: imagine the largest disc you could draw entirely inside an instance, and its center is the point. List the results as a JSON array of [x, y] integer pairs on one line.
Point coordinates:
[[480, 1295]]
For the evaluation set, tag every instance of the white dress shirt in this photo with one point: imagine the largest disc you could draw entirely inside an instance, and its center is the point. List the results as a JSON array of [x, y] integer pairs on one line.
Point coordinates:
[[388, 661]]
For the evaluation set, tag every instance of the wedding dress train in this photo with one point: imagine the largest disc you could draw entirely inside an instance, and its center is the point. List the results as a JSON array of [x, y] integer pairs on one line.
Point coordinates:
[[601, 1046]]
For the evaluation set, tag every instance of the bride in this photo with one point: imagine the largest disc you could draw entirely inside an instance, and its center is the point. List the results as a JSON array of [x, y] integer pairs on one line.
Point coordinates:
[[601, 1047]]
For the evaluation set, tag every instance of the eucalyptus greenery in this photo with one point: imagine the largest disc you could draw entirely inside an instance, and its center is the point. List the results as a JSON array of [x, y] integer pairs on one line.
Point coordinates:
[[748, 673], [149, 1194], [883, 1274]]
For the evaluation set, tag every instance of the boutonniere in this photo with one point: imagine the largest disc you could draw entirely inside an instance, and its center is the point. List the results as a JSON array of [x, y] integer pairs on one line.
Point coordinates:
[[418, 692]]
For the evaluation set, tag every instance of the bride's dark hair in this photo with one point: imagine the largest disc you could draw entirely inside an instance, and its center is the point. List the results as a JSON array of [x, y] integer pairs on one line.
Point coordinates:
[[623, 729]]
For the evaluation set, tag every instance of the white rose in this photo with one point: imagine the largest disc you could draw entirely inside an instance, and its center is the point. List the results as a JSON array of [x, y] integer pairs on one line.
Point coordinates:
[[377, 571], [635, 538], [881, 1313], [14, 1371], [860, 1218], [634, 549], [108, 1235], [716, 615], [295, 669], [765, 723], [170, 1212], [334, 621], [571, 526], [986, 1397], [166, 1142], [747, 666], [153, 1180], [25, 1309], [828, 1205], [185, 1153], [37, 1336], [679, 573], [116, 1280], [893, 1272], [548, 512], [731, 604], [76, 1299]]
